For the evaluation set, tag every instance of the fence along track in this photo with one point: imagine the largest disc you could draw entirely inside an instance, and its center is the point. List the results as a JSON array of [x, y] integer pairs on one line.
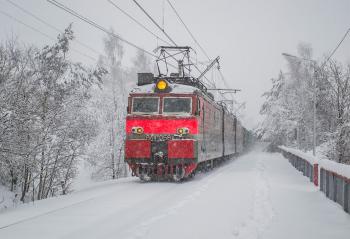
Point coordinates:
[[335, 186]]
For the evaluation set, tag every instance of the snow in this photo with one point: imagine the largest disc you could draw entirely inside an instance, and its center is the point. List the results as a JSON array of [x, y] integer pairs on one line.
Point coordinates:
[[258, 195], [176, 88], [339, 168], [83, 179], [309, 158], [7, 198]]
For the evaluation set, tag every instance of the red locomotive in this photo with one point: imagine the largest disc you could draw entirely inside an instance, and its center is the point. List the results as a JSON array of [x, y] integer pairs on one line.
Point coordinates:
[[174, 127]]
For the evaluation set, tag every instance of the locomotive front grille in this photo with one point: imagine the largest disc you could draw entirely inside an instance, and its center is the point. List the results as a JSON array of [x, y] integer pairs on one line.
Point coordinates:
[[159, 151]]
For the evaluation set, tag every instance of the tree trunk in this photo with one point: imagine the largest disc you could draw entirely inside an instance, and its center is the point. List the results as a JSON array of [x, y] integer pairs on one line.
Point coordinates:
[[52, 175], [40, 186], [26, 182], [66, 178]]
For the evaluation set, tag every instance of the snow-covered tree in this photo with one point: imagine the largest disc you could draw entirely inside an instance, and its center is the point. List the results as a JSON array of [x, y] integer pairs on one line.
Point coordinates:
[[110, 102], [45, 126], [288, 107], [106, 154]]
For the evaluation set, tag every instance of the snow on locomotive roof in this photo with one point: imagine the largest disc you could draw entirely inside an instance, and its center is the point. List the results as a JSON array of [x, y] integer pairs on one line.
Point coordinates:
[[176, 88]]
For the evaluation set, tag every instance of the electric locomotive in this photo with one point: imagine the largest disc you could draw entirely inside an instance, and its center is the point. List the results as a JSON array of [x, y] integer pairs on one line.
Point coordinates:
[[175, 127]]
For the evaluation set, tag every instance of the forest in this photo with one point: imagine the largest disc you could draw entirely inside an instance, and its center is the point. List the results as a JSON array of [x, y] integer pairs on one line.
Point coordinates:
[[311, 96], [56, 113]]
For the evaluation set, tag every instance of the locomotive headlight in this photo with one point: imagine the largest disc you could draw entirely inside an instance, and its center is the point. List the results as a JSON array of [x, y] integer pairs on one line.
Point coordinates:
[[162, 85], [137, 130], [183, 131]]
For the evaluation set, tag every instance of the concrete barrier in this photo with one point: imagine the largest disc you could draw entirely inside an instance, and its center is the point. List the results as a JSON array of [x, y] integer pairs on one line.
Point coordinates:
[[307, 168], [334, 185]]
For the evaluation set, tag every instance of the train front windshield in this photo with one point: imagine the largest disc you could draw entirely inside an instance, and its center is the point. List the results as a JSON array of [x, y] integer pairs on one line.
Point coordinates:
[[145, 105], [171, 105], [175, 105]]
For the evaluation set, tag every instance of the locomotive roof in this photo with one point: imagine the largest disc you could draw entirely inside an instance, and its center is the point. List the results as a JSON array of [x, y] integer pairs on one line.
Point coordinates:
[[176, 88]]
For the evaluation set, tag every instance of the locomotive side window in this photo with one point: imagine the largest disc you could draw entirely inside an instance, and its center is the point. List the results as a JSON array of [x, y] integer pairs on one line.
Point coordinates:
[[198, 112], [177, 105], [145, 105]]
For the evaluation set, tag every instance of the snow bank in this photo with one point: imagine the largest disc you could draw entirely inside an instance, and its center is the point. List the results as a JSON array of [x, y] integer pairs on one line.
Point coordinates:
[[7, 199], [338, 168], [309, 158], [175, 88]]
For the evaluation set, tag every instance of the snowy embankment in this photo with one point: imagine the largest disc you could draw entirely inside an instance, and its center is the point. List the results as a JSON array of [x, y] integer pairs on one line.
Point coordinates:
[[7, 199], [338, 168], [258, 195]]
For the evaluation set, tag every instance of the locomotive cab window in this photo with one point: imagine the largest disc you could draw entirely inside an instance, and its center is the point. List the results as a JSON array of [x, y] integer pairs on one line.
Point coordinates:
[[177, 105], [145, 105]]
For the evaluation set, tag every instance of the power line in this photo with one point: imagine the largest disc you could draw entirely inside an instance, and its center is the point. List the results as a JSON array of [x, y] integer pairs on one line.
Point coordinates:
[[26, 25], [188, 30], [336, 48], [140, 24], [192, 36], [97, 26], [42, 33], [166, 34], [137, 22], [49, 25], [195, 40], [162, 29]]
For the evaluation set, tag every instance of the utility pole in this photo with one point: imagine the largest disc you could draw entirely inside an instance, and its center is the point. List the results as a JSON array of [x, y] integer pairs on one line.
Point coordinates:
[[314, 109], [315, 78]]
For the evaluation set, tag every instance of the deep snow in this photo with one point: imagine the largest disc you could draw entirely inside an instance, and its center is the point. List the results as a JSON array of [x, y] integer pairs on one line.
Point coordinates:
[[7, 199], [339, 168], [259, 195]]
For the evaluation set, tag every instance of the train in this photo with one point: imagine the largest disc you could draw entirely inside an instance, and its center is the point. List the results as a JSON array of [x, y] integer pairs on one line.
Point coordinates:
[[175, 128]]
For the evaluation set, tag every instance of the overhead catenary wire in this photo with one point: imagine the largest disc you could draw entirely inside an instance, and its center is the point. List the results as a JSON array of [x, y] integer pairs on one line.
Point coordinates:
[[42, 33], [163, 14], [137, 22], [99, 27], [187, 29], [195, 40], [332, 53], [149, 16], [314, 62], [336, 48], [140, 24], [165, 33], [49, 25]]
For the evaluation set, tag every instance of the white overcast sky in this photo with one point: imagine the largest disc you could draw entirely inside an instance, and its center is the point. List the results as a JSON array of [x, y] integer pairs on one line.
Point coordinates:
[[248, 35]]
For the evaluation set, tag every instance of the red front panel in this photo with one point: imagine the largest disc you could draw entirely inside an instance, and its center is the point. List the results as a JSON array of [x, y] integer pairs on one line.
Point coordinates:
[[316, 174], [162, 126], [137, 149], [181, 149]]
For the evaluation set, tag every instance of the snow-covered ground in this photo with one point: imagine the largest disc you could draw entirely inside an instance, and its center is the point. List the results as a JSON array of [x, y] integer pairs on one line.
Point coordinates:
[[259, 195], [324, 162], [7, 199]]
